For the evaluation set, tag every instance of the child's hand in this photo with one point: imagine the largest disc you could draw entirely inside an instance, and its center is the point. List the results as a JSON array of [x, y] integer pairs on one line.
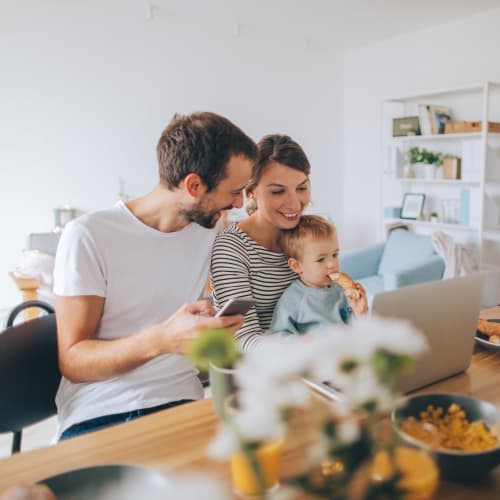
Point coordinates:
[[358, 305]]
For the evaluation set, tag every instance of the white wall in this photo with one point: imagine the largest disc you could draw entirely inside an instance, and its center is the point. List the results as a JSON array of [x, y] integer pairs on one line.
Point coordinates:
[[87, 87], [452, 55]]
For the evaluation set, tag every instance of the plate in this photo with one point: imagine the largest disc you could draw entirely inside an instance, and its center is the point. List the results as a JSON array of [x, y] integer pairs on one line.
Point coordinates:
[[481, 338], [108, 482]]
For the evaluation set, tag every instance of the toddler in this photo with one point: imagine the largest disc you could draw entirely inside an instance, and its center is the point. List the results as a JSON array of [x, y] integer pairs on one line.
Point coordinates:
[[313, 300]]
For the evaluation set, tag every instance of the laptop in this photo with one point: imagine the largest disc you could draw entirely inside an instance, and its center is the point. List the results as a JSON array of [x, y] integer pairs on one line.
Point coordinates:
[[446, 312]]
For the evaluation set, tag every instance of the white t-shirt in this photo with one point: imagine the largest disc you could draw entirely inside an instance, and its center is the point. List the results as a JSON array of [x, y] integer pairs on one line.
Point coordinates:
[[145, 275]]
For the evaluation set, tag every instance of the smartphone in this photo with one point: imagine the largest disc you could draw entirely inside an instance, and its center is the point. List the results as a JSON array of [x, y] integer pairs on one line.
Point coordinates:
[[235, 306]]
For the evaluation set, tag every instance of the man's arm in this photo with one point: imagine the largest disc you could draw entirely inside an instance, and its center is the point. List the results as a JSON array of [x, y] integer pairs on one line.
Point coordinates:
[[83, 358]]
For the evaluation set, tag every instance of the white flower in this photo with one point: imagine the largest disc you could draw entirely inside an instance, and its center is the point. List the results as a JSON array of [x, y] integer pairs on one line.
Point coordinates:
[[348, 431], [258, 423], [225, 442], [364, 388], [372, 333], [194, 487]]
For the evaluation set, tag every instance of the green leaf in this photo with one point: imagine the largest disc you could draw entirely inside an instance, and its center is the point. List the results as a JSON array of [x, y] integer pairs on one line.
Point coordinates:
[[214, 346], [349, 365], [387, 365]]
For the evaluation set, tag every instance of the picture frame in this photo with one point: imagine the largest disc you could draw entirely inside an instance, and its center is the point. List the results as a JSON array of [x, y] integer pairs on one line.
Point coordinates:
[[407, 125], [413, 204]]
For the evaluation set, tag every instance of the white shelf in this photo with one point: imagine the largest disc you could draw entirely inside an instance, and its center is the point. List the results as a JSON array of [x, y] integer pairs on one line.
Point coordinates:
[[492, 233], [441, 182], [480, 157], [435, 225], [437, 137], [433, 93]]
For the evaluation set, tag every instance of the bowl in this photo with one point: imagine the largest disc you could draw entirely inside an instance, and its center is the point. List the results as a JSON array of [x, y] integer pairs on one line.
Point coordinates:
[[454, 465], [108, 482]]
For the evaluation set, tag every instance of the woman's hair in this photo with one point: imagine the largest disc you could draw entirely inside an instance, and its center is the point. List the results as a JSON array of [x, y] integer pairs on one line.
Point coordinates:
[[275, 148], [318, 228], [200, 143]]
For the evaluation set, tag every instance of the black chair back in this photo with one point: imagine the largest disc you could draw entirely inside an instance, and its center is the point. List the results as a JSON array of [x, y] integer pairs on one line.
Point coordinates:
[[29, 371]]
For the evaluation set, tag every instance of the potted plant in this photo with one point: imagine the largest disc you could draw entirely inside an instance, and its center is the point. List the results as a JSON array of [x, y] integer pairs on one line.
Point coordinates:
[[423, 162], [434, 217]]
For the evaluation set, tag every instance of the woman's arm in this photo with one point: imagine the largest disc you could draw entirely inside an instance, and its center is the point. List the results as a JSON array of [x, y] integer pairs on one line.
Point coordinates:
[[230, 277]]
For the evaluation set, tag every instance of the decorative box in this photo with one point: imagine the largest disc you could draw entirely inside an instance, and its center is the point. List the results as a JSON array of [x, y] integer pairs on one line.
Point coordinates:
[[452, 168]]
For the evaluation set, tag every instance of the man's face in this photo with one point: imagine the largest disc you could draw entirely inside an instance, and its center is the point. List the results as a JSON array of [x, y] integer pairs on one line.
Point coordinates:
[[226, 195]]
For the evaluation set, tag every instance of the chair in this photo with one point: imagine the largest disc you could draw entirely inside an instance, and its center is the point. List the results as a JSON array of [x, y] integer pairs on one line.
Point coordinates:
[[404, 259], [29, 371]]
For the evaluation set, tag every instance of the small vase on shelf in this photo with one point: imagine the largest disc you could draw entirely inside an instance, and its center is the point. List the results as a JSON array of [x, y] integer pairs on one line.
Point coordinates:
[[408, 172]]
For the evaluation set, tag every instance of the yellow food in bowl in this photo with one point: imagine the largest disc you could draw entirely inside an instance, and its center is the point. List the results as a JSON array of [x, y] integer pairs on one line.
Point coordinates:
[[453, 430]]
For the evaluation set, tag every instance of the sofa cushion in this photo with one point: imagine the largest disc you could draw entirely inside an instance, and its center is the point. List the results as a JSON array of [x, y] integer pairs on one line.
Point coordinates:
[[404, 249], [373, 285]]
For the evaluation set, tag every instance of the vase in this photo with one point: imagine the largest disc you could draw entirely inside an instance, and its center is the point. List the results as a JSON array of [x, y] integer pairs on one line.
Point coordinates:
[[429, 172], [222, 385], [408, 172], [255, 471]]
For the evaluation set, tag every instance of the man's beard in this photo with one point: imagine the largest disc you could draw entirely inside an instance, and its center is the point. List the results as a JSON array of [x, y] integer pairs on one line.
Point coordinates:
[[202, 218]]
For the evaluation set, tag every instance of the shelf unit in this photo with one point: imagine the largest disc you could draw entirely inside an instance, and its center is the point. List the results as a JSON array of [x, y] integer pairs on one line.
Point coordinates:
[[477, 225]]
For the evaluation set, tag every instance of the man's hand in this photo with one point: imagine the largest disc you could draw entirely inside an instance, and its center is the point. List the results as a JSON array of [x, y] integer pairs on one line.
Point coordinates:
[[189, 322], [84, 358]]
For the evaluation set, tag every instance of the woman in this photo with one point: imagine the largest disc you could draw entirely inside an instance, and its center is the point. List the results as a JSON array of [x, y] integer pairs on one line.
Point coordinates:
[[247, 261]]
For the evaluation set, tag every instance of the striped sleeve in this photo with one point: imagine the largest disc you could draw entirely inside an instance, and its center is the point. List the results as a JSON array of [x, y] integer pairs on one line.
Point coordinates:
[[241, 268], [230, 275]]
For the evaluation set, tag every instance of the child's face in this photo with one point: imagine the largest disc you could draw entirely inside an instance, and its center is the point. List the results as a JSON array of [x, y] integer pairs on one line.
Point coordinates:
[[319, 259]]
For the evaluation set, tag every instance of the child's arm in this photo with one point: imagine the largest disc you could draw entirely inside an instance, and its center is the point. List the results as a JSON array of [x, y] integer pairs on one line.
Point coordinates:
[[359, 304]]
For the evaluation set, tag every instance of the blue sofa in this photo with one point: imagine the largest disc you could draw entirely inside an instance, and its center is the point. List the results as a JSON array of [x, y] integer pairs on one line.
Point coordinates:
[[404, 259]]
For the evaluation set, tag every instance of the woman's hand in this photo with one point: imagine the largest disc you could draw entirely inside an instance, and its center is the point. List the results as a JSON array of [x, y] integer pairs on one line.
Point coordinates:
[[190, 321], [358, 305]]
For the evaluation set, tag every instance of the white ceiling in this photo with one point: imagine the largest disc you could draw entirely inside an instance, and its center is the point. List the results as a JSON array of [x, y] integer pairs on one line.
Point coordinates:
[[348, 23]]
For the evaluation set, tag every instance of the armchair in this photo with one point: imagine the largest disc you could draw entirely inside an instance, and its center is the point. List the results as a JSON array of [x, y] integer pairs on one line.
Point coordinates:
[[404, 259]]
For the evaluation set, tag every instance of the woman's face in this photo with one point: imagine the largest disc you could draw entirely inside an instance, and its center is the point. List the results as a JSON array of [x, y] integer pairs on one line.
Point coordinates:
[[281, 195]]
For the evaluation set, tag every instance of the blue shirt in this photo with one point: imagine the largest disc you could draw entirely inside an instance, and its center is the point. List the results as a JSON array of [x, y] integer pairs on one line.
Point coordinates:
[[302, 308]]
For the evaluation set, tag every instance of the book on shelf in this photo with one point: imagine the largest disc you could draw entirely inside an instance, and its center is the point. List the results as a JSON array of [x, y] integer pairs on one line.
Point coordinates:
[[424, 119], [433, 118]]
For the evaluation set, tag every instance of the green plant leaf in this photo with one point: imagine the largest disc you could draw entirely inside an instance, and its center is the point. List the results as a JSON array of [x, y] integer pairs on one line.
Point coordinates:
[[214, 346]]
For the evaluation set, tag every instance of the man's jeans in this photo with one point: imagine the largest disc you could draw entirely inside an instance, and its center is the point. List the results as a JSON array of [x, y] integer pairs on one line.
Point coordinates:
[[95, 424]]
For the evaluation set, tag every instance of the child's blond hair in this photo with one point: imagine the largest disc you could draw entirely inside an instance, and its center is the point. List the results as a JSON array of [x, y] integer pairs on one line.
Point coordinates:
[[290, 240]]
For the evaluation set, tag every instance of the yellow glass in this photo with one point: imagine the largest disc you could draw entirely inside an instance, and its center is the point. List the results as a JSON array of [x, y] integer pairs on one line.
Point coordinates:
[[245, 481], [420, 474]]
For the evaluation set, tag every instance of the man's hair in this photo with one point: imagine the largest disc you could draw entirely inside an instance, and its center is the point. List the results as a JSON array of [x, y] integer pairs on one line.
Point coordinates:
[[275, 148], [291, 240], [200, 143]]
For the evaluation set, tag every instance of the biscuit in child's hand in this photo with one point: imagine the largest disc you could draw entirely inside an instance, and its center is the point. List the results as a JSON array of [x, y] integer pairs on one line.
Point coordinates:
[[346, 283]]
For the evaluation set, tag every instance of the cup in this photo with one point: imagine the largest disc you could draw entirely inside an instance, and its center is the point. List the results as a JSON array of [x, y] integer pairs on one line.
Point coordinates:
[[416, 465], [256, 472]]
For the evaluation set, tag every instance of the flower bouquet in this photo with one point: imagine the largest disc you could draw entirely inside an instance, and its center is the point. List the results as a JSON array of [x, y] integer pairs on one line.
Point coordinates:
[[349, 452]]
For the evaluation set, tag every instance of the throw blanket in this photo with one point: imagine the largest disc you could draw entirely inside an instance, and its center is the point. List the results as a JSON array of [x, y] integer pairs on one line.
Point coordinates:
[[40, 266], [457, 259]]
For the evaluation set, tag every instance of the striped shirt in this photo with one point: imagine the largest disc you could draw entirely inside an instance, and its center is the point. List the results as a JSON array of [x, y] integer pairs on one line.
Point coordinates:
[[242, 268]]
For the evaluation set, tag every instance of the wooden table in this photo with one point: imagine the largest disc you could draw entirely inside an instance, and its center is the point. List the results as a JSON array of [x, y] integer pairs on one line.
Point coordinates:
[[176, 439]]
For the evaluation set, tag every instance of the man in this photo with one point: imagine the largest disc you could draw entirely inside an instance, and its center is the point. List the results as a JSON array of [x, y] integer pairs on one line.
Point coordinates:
[[123, 274]]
